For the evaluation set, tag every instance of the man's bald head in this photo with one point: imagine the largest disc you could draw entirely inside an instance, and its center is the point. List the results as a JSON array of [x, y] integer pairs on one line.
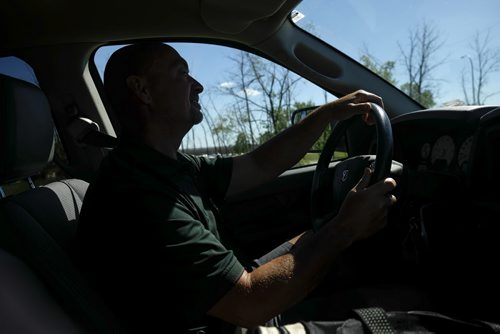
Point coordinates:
[[135, 59]]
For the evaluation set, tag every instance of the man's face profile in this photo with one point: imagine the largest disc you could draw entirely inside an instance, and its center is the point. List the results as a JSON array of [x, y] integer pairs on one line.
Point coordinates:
[[174, 92]]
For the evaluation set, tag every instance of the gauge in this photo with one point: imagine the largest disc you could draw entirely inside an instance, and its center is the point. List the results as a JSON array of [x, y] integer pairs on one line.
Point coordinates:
[[425, 151], [464, 153], [443, 149]]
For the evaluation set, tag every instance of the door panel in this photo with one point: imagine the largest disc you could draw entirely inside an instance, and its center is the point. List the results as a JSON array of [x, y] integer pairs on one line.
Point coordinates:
[[259, 220]]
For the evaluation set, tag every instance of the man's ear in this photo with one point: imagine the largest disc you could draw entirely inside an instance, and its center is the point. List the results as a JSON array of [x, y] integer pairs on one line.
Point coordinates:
[[138, 86]]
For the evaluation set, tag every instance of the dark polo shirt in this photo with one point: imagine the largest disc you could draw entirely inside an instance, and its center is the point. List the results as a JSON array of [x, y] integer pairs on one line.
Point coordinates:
[[148, 237]]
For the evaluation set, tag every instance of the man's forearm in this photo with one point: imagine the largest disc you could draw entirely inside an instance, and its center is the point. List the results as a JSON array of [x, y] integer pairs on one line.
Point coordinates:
[[284, 150], [296, 273], [288, 147], [282, 282], [279, 153]]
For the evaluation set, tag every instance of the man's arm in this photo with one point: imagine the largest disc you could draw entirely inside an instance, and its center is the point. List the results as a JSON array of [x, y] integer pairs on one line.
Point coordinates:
[[282, 282], [285, 149]]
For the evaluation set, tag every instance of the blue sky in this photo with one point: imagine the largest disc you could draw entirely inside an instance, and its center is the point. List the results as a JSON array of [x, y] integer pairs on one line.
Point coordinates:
[[209, 64], [379, 26], [354, 26]]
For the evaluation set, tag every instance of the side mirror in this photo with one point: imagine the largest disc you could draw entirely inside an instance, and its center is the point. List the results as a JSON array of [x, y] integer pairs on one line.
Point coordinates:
[[313, 154], [301, 113]]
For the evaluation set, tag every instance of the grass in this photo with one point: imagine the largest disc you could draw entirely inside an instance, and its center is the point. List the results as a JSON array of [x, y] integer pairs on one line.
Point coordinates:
[[312, 158]]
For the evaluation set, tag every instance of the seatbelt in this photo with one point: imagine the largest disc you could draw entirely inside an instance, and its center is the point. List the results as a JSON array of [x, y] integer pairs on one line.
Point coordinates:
[[375, 320], [74, 197], [87, 132]]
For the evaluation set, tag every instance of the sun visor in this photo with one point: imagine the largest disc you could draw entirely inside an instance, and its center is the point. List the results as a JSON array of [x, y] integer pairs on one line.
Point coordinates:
[[233, 17]]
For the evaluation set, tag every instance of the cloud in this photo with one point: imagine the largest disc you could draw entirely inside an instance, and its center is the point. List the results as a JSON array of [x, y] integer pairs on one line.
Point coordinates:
[[252, 92], [227, 84]]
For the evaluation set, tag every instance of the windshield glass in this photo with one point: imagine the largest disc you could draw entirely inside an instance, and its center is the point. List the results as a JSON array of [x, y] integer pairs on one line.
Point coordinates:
[[438, 52]]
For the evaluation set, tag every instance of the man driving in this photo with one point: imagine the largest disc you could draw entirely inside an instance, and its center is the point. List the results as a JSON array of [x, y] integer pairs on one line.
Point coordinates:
[[148, 232]]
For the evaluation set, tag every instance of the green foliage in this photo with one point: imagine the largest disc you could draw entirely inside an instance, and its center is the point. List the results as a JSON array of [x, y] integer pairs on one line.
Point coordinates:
[[425, 97], [265, 137], [222, 131], [322, 139], [222, 127], [313, 157], [318, 145], [242, 144], [385, 70], [301, 105], [280, 121], [262, 96]]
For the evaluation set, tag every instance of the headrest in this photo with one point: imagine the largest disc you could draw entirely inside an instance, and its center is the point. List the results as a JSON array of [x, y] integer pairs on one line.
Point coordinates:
[[26, 130]]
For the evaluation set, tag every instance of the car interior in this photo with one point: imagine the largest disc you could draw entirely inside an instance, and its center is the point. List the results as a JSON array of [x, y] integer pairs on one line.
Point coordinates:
[[441, 237]]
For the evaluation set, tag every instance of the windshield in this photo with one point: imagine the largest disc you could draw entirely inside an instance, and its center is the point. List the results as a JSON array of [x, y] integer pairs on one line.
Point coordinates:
[[438, 52]]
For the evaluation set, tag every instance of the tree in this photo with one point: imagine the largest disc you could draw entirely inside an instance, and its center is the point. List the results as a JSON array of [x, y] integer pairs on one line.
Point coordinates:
[[242, 144], [318, 145], [425, 97], [262, 95], [239, 87], [221, 130], [419, 60], [484, 61], [384, 70]]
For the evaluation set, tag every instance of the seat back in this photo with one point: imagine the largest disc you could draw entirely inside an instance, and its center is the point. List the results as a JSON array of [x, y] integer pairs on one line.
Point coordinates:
[[55, 206], [24, 297], [26, 130], [39, 225]]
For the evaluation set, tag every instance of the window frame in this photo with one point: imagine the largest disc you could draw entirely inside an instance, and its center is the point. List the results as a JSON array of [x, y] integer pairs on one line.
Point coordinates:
[[99, 84]]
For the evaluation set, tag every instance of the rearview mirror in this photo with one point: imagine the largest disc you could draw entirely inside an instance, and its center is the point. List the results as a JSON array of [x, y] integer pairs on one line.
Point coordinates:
[[301, 113]]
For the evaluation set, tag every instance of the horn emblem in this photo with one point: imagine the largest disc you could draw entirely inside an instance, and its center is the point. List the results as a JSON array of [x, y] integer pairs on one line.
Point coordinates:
[[345, 175]]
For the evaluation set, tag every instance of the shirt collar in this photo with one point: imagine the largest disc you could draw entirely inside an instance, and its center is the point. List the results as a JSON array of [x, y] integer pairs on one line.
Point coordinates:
[[147, 157]]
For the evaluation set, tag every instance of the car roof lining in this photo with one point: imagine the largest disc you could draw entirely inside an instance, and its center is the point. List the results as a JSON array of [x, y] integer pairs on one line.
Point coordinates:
[[230, 17], [33, 23]]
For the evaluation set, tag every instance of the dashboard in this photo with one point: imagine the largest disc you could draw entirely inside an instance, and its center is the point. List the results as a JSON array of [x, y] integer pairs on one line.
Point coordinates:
[[443, 141], [447, 219], [448, 153]]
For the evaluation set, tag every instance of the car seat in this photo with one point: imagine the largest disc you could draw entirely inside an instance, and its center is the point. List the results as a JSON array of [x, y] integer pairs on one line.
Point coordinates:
[[26, 306], [38, 226]]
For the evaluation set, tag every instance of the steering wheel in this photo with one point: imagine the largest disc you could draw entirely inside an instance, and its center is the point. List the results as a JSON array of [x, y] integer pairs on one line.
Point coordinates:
[[326, 203]]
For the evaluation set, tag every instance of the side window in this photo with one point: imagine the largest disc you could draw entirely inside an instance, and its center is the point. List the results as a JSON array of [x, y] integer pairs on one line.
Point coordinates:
[[246, 99], [17, 68]]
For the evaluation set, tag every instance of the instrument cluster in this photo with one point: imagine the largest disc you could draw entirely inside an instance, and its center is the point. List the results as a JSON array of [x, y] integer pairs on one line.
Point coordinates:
[[446, 153], [446, 141]]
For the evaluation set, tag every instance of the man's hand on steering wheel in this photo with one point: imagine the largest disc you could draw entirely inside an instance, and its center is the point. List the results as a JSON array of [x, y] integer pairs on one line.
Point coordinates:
[[364, 210], [334, 192], [356, 103]]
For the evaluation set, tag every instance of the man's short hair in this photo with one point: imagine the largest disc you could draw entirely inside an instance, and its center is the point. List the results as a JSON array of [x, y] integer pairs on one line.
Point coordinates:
[[134, 59]]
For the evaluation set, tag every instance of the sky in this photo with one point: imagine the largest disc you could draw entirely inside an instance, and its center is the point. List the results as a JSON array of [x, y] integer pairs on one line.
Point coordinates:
[[209, 64], [380, 27], [355, 27]]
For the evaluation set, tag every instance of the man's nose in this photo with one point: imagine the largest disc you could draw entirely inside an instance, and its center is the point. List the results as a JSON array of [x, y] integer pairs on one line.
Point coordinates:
[[198, 87]]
